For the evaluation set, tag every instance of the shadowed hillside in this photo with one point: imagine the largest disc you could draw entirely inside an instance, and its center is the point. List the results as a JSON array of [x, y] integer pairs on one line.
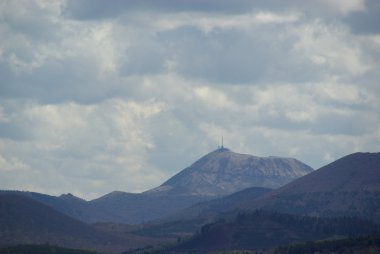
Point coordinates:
[[42, 249], [349, 186], [262, 230], [26, 221]]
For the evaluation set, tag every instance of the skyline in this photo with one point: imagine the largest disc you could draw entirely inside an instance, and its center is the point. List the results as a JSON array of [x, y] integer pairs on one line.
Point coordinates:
[[100, 96]]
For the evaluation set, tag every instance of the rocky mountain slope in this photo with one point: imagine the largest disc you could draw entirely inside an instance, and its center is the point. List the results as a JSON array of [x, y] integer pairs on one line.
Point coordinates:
[[223, 172], [216, 174]]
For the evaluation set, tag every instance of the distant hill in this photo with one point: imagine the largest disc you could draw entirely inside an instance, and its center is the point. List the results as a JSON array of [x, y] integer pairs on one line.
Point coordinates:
[[27, 221], [224, 172], [187, 221], [219, 173], [262, 230], [216, 206], [349, 186], [42, 249], [122, 207]]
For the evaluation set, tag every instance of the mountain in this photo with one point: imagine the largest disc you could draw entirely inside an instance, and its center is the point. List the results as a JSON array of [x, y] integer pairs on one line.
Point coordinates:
[[349, 186], [262, 230], [223, 172], [216, 174], [116, 207], [187, 221], [211, 208], [42, 249], [67, 204], [135, 208], [24, 220]]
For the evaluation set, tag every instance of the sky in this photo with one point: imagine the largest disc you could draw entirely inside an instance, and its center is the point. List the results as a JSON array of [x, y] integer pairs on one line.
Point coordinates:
[[97, 96]]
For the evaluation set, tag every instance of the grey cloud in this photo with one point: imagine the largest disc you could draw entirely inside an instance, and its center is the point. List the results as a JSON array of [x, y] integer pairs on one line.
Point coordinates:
[[98, 9], [13, 131], [334, 124], [233, 56], [86, 9], [144, 59], [30, 20], [57, 81], [365, 21], [93, 85], [329, 123]]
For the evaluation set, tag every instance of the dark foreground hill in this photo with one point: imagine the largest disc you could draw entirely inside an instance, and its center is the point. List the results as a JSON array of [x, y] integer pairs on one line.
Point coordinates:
[[368, 245], [349, 186], [262, 230], [42, 249], [27, 221], [189, 220]]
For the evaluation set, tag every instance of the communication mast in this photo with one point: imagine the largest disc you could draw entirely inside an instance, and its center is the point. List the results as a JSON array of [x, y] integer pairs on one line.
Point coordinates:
[[220, 145]]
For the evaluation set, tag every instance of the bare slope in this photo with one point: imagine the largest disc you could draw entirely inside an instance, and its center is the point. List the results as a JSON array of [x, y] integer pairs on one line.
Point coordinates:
[[224, 172]]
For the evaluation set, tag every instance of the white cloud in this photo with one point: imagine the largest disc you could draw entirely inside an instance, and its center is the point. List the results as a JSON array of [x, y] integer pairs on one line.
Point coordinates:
[[100, 142], [99, 97], [218, 21], [331, 47], [345, 6], [214, 98]]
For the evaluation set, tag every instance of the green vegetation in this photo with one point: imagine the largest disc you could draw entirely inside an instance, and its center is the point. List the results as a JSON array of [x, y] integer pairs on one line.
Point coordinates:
[[42, 249], [368, 245], [263, 230]]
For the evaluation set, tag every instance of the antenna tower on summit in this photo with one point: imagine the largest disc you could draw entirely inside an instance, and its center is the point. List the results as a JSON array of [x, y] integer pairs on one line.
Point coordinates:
[[220, 145]]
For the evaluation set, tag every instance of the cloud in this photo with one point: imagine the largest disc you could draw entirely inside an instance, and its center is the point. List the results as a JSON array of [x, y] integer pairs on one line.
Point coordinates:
[[96, 97], [85, 9], [87, 142], [364, 21]]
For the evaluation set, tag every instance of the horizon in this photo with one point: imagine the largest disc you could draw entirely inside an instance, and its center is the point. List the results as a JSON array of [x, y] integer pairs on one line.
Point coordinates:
[[142, 191], [100, 96]]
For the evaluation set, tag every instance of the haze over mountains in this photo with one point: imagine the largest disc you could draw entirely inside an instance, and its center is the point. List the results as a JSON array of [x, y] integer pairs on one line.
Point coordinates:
[[216, 174], [211, 189]]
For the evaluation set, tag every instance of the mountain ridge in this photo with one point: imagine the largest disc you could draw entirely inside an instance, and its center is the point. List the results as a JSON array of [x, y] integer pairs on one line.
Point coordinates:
[[24, 220], [349, 186], [222, 172], [218, 173]]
